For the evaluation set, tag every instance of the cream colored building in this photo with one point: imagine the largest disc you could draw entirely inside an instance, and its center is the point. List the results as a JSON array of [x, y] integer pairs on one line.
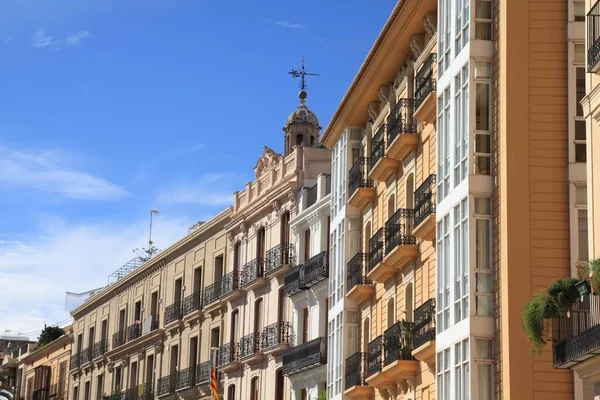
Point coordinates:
[[257, 322], [148, 335]]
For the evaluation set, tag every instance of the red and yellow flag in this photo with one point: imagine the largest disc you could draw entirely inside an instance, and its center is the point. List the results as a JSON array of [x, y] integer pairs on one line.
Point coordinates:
[[214, 394]]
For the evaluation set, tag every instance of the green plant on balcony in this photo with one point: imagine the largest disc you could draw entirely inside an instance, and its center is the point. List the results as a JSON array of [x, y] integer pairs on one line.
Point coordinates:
[[406, 339], [592, 272]]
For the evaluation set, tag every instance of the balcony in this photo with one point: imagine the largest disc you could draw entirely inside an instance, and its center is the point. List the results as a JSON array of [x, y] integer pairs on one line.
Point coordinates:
[[186, 378], [423, 332], [303, 277], [276, 338], [424, 221], [378, 270], [212, 293], [576, 333], [279, 259], [250, 348], [593, 38], [400, 244], [173, 313], [374, 358], [356, 373], [361, 189], [311, 195], [425, 94], [166, 385], [359, 287], [231, 286], [192, 303], [228, 357], [134, 331], [382, 166], [305, 356], [99, 348], [253, 275], [291, 282], [85, 356], [203, 374], [118, 339], [140, 392], [402, 137]]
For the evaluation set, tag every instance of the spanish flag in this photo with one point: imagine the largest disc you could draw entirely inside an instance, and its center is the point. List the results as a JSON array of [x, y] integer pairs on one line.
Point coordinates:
[[214, 394]]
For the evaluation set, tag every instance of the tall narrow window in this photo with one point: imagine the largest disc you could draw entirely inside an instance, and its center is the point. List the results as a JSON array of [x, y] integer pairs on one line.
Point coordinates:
[[484, 360], [177, 291], [443, 274], [260, 244], [117, 379], [461, 123], [75, 393], [408, 302], [461, 366], [233, 332], [483, 140], [444, 144], [149, 370], [99, 386], [443, 375], [461, 261], [254, 390], [91, 337], [193, 352], [391, 206], [391, 313], [133, 375], [280, 306], [197, 280], [285, 228], [307, 244], [258, 315], [138, 311], [231, 392], [218, 274], [215, 337], [62, 371], [279, 385], [122, 321], [462, 24], [410, 192], [483, 257], [104, 331], [304, 325], [366, 335], [174, 366], [483, 19], [580, 124]]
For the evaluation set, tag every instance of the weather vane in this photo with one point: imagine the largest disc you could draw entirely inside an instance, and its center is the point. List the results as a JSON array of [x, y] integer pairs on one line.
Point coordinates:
[[302, 75]]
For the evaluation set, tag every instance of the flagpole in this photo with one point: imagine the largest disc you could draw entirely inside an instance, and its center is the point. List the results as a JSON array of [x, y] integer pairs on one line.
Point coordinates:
[[214, 393]]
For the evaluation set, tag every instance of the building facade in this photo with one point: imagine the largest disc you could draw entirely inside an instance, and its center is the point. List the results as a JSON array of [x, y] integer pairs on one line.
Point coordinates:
[[149, 334], [256, 355]]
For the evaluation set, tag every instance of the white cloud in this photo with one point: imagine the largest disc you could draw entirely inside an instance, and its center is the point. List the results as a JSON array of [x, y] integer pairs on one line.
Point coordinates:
[[41, 39], [287, 24], [76, 38], [37, 272], [209, 190], [46, 172]]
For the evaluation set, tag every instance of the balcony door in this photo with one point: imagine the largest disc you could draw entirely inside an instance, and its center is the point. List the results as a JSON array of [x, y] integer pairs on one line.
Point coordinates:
[[177, 294], [233, 333], [154, 306], [197, 280], [91, 337], [138, 311], [133, 372], [258, 315], [306, 244], [260, 244], [174, 359], [122, 320], [104, 330], [193, 360], [149, 370], [285, 228]]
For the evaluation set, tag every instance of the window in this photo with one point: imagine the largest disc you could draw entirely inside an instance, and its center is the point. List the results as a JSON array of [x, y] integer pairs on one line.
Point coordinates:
[[231, 392], [445, 29], [579, 11], [278, 385], [461, 261], [483, 19], [260, 245], [338, 175], [580, 125], [306, 244], [484, 362], [237, 257], [391, 314], [461, 370], [75, 393], [233, 329], [443, 375], [408, 302], [462, 24], [582, 240], [366, 335], [461, 133], [483, 142], [444, 144], [443, 265], [254, 391], [117, 379], [285, 228], [258, 315], [483, 257], [62, 370], [99, 386]]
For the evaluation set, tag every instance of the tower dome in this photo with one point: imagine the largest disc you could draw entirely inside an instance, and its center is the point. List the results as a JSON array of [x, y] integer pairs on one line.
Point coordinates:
[[302, 115], [301, 127]]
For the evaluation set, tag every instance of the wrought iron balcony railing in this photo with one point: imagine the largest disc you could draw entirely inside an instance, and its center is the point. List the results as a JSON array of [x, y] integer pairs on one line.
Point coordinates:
[[291, 281], [425, 80], [276, 334], [375, 356], [397, 342], [172, 313], [166, 384], [401, 119], [134, 331], [398, 230], [279, 255], [376, 249], [253, 270], [576, 332], [356, 370], [358, 176], [356, 271], [203, 373], [228, 353], [185, 378], [212, 293], [74, 361], [425, 200], [305, 356], [593, 36], [139, 392], [85, 355], [230, 283], [378, 145], [423, 329], [192, 303], [100, 348], [311, 195], [250, 344], [316, 269], [118, 338]]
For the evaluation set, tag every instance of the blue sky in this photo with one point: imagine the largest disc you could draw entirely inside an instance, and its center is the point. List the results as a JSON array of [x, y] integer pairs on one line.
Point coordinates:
[[111, 107]]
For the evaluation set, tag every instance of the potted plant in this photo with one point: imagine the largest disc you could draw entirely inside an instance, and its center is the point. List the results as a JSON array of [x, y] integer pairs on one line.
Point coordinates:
[[593, 273]]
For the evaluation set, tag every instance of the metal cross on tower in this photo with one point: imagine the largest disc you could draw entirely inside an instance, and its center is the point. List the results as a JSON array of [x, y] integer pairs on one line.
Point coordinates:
[[302, 75]]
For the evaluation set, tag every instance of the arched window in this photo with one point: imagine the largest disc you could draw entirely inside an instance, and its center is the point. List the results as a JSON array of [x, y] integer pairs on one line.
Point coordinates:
[[410, 192], [367, 237], [312, 140], [408, 302], [391, 206], [391, 313], [299, 139], [366, 338], [278, 385], [231, 392], [254, 389]]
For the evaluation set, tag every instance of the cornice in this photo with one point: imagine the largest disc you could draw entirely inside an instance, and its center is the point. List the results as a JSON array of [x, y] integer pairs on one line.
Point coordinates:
[[51, 347]]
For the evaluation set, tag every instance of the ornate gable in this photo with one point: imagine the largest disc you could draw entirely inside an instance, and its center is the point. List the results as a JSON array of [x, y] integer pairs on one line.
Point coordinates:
[[267, 162]]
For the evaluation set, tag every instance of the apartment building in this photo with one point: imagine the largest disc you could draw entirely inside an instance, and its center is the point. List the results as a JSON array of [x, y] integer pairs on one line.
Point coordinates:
[[149, 334], [255, 356], [307, 286], [383, 215], [38, 373]]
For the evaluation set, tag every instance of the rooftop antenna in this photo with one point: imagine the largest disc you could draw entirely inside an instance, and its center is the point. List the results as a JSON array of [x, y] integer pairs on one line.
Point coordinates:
[[302, 74], [144, 254]]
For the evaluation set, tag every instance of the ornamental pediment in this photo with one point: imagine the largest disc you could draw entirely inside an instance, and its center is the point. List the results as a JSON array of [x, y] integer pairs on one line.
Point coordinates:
[[267, 162]]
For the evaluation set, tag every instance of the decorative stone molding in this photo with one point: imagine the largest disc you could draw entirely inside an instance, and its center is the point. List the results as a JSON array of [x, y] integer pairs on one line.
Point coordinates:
[[373, 110], [417, 43], [430, 23], [383, 95], [266, 163], [243, 229], [276, 206], [230, 237]]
